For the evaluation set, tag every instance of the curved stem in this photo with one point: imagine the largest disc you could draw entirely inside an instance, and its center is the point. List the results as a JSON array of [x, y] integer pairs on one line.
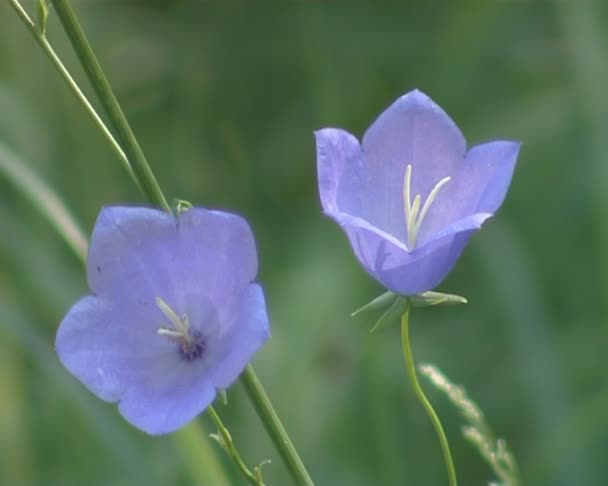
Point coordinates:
[[411, 371], [274, 427], [228, 445], [102, 87]]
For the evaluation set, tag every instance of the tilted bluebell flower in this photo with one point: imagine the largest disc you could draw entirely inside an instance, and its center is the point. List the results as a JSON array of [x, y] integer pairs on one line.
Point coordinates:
[[174, 315], [410, 195]]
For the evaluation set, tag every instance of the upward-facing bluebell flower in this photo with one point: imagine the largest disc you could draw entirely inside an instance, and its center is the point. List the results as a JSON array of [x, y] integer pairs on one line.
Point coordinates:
[[410, 195], [174, 315]]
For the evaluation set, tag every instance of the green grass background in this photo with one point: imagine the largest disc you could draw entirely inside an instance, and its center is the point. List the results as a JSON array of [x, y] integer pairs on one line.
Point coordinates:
[[224, 97]]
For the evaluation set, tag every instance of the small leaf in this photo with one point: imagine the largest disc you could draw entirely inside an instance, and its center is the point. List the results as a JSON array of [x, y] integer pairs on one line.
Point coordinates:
[[380, 302], [430, 298], [393, 313]]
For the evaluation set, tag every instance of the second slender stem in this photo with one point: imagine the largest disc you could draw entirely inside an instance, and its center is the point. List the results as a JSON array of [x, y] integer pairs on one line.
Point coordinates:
[[411, 371]]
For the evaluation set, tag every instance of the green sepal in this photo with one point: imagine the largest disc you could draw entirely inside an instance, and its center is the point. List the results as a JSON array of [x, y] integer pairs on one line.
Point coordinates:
[[380, 302], [223, 397], [391, 314], [430, 298], [395, 305]]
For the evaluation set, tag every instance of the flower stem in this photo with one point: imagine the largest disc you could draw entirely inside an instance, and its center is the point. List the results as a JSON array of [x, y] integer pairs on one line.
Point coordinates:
[[411, 371], [65, 74], [143, 175], [225, 440], [102, 87], [274, 427]]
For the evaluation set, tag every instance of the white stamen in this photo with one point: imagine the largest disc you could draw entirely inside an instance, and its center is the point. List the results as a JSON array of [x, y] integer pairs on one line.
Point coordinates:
[[170, 333], [181, 326], [407, 179], [411, 223], [414, 216], [429, 200]]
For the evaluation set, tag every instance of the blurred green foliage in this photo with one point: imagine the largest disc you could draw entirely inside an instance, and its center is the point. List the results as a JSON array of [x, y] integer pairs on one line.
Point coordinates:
[[224, 97]]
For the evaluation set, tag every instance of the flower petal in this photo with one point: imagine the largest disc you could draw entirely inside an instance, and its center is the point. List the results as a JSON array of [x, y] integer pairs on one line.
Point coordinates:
[[489, 167], [337, 150], [248, 332], [169, 406], [129, 251], [479, 186], [388, 261], [137, 254], [414, 130], [120, 358], [348, 184], [217, 254], [101, 345]]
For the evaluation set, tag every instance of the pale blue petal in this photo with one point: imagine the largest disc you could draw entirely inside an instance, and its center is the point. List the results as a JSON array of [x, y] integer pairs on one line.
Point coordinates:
[[479, 186], [111, 349], [405, 273], [130, 253], [169, 404], [248, 332], [414, 130]]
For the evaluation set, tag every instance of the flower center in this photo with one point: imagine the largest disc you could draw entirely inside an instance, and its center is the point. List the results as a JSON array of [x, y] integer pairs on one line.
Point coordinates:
[[191, 344], [413, 214]]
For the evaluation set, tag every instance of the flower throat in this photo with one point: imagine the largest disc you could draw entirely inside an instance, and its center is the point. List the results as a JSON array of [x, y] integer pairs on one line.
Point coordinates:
[[191, 344]]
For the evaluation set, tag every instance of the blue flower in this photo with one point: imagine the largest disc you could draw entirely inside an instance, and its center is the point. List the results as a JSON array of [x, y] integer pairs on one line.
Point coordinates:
[[173, 316], [410, 195]]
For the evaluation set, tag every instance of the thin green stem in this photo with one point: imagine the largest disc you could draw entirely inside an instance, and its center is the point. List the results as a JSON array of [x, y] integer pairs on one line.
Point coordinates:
[[67, 77], [411, 371], [228, 445], [102, 87], [147, 182], [274, 427], [44, 200]]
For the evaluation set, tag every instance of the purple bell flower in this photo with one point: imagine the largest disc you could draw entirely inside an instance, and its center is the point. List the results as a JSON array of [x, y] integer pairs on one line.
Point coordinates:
[[174, 315], [410, 195]]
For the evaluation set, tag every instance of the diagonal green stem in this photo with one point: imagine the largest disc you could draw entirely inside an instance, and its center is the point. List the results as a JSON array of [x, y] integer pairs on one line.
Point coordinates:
[[147, 182], [274, 427], [65, 74], [411, 371], [102, 87]]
